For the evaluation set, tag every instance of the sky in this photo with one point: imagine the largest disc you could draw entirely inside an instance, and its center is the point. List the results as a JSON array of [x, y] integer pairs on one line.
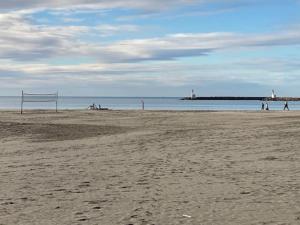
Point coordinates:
[[150, 47]]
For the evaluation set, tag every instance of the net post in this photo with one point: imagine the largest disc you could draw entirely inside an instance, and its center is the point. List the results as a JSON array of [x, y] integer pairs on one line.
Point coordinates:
[[22, 100], [56, 100]]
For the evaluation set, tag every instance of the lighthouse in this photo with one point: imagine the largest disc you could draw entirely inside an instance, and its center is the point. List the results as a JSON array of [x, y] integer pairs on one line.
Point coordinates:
[[193, 95], [273, 94]]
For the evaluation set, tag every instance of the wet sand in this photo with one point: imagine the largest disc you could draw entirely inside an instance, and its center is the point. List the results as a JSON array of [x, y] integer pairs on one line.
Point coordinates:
[[146, 167]]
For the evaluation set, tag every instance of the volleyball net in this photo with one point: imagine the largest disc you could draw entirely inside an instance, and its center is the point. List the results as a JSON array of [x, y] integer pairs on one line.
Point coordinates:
[[35, 98]]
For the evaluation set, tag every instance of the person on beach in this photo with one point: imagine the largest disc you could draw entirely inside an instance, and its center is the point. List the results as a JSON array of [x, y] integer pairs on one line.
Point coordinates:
[[286, 106], [143, 104], [267, 106], [262, 106], [92, 107]]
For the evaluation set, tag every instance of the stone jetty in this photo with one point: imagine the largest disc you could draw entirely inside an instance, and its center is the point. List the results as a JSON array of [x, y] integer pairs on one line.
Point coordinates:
[[243, 98]]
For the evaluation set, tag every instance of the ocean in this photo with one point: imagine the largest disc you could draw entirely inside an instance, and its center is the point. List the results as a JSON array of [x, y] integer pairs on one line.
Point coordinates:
[[151, 103]]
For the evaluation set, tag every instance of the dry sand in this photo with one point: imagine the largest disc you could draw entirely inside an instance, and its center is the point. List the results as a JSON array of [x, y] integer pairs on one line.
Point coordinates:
[[162, 168]]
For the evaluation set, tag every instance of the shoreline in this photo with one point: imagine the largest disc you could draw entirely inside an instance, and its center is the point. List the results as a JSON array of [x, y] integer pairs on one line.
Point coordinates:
[[147, 110]]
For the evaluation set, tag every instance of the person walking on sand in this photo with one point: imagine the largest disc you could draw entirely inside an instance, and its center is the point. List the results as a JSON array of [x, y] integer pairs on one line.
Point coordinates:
[[267, 106], [286, 106], [262, 106]]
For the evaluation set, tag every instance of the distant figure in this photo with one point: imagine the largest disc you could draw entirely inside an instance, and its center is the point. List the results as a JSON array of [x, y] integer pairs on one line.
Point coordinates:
[[143, 104], [99, 107], [262, 106], [92, 107], [267, 106], [286, 106]]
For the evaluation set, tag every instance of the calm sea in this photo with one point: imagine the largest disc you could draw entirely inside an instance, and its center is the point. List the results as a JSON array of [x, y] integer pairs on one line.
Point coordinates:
[[159, 103]]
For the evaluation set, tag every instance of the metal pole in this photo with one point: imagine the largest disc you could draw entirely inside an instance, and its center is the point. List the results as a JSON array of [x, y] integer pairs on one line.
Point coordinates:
[[22, 102], [56, 100]]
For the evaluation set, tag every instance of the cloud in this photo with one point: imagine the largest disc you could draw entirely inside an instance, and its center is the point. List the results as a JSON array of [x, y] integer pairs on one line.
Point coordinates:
[[184, 45], [146, 5], [256, 71], [109, 30], [156, 78], [72, 20], [101, 4], [20, 40], [23, 40]]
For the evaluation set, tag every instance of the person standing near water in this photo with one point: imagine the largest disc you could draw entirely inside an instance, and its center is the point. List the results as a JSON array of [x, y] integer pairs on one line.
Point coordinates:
[[143, 104], [267, 106], [262, 106], [286, 106]]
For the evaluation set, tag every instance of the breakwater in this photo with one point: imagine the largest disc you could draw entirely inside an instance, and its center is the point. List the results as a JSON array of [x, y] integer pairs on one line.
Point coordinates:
[[228, 98]]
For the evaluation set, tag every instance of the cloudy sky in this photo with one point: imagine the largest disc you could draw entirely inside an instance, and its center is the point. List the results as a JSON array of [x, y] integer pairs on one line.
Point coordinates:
[[150, 47]]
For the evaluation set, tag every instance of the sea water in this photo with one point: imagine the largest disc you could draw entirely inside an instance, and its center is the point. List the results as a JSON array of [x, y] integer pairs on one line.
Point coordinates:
[[151, 103]]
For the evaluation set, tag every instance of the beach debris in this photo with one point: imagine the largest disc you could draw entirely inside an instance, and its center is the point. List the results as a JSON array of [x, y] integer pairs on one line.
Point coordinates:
[[186, 216], [245, 192], [270, 158]]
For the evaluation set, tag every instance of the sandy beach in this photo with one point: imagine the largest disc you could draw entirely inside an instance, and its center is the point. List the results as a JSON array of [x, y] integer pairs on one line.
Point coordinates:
[[149, 168]]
